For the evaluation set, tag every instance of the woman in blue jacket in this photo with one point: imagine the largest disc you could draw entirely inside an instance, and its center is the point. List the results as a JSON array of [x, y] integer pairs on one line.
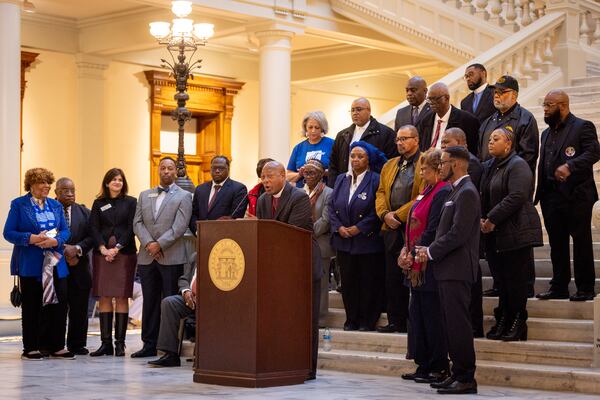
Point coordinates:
[[37, 228], [355, 236]]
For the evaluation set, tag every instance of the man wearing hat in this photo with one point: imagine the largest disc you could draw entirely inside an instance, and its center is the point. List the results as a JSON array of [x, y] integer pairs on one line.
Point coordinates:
[[511, 116]]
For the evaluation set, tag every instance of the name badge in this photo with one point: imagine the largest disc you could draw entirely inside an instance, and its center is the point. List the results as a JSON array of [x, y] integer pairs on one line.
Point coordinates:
[[420, 197], [153, 195], [105, 207], [448, 203]]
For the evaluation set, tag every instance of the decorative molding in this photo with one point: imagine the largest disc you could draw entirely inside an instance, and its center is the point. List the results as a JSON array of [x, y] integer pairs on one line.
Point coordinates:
[[90, 67]]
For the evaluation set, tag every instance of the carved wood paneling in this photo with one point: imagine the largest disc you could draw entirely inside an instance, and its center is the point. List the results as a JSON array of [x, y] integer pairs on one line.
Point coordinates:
[[211, 103]]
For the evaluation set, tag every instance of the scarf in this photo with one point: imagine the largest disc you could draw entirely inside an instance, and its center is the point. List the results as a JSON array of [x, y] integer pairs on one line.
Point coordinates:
[[314, 196], [416, 225]]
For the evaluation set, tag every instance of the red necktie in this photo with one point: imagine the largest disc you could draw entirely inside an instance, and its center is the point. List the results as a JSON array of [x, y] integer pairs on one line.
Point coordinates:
[[274, 204], [437, 133], [214, 197]]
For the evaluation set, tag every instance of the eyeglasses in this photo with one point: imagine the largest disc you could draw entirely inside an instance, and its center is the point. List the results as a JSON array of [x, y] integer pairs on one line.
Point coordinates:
[[309, 173], [402, 139], [445, 162], [357, 109], [435, 99]]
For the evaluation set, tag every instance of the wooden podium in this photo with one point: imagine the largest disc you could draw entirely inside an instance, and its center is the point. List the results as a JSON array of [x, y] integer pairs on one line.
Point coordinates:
[[253, 315]]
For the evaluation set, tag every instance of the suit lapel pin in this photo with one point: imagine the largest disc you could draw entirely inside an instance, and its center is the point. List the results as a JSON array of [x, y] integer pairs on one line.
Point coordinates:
[[362, 196], [570, 151]]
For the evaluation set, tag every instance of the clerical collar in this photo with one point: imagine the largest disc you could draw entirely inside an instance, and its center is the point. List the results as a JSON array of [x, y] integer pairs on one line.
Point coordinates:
[[278, 195]]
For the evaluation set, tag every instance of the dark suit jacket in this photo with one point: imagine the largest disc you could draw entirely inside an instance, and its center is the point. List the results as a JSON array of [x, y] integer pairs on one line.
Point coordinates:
[[231, 201], [485, 108], [81, 236], [403, 116], [377, 134], [116, 220], [475, 170], [524, 126], [293, 209], [458, 119], [580, 135], [455, 250]]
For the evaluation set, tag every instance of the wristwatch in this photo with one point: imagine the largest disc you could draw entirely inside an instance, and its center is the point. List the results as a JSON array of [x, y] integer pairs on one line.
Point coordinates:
[[119, 246]]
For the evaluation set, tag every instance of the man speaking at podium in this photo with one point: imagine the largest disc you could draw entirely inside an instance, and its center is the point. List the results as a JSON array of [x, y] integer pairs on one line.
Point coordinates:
[[286, 203]]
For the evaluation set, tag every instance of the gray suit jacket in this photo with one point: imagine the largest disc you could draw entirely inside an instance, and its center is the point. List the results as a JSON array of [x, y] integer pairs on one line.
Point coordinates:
[[455, 250], [185, 280], [321, 225], [403, 116], [167, 228]]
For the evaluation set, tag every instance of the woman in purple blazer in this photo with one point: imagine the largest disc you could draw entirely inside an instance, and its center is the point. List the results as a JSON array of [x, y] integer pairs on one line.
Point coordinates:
[[355, 237]]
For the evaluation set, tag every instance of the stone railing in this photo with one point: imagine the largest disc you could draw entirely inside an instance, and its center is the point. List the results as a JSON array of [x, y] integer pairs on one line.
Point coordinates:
[[589, 26], [512, 15], [528, 55]]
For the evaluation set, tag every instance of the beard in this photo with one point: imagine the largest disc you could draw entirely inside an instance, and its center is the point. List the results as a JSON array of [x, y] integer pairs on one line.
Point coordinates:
[[475, 85], [449, 175], [553, 119]]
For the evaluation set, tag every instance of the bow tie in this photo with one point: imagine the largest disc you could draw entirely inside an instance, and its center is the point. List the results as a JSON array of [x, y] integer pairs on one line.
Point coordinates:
[[161, 189]]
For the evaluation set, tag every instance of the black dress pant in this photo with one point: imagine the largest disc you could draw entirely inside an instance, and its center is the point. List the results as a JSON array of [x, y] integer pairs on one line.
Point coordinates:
[[158, 281], [361, 287], [430, 351], [43, 326], [316, 306], [397, 294], [564, 220], [513, 270], [455, 297], [476, 306], [77, 301]]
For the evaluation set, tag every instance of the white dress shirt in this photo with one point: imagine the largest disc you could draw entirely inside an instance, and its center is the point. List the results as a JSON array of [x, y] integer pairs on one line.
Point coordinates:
[[355, 183], [160, 199], [444, 119], [212, 189]]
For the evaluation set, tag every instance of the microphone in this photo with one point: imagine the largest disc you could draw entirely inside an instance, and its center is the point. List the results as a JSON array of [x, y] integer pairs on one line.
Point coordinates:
[[239, 204]]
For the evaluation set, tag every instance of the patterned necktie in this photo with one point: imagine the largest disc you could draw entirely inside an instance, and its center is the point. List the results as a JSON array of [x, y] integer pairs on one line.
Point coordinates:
[[67, 216], [437, 133], [414, 114], [274, 204], [214, 196]]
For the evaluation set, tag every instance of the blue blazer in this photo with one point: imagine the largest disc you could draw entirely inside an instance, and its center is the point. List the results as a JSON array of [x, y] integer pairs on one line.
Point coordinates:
[[231, 201], [360, 212], [27, 260]]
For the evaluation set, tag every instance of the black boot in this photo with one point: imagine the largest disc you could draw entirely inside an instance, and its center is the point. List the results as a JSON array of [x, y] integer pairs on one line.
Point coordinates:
[[106, 319], [500, 328], [518, 329], [121, 320]]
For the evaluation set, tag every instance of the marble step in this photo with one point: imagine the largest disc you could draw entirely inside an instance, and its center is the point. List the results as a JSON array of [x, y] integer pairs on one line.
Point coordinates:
[[543, 268], [563, 309], [543, 252], [587, 80], [554, 329], [497, 373], [533, 351], [542, 284]]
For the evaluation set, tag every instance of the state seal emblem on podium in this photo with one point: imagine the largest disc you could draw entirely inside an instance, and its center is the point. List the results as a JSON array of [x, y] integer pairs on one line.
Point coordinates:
[[226, 264]]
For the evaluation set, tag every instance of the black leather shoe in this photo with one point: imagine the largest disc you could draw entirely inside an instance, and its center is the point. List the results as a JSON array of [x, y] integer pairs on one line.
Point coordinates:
[[491, 293], [348, 326], [390, 328], [433, 377], [411, 376], [168, 360], [552, 295], [460, 388], [582, 296], [445, 383], [82, 351], [366, 329], [144, 352]]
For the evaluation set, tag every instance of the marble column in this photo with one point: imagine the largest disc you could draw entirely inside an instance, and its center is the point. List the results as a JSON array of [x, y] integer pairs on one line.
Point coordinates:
[[275, 44], [10, 125], [90, 126]]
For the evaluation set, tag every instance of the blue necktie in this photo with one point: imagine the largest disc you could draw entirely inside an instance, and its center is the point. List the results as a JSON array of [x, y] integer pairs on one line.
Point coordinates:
[[476, 98]]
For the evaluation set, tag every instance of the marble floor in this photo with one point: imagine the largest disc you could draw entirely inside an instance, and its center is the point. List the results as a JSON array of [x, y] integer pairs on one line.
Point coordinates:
[[107, 378]]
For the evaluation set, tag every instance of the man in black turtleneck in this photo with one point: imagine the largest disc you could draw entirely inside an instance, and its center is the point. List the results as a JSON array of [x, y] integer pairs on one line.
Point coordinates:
[[510, 115]]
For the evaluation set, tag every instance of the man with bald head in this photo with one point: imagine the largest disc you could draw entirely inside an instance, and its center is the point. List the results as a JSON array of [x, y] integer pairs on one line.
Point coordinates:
[[443, 115], [567, 192], [457, 137], [416, 94], [291, 205], [79, 281], [364, 127]]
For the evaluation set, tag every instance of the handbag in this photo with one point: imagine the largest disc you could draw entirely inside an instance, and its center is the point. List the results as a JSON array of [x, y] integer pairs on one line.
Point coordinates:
[[15, 294]]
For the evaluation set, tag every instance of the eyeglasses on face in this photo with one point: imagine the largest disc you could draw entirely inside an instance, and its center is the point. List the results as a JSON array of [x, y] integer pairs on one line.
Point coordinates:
[[357, 109], [402, 139], [435, 99]]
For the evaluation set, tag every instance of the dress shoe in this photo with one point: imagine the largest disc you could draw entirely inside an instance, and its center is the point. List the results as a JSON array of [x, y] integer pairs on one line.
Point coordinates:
[[445, 383], [582, 296], [390, 328], [491, 293], [552, 295], [433, 377], [460, 388], [82, 351], [348, 326], [146, 351], [32, 356], [366, 329], [498, 330], [167, 360], [65, 355], [411, 376]]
